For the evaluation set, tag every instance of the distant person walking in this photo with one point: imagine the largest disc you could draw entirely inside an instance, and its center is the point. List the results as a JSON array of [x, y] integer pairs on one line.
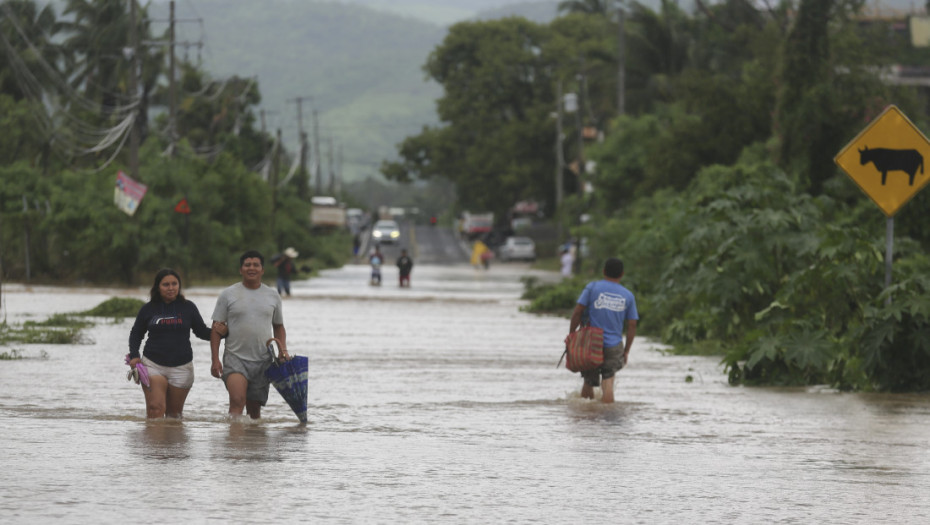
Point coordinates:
[[169, 319], [566, 260], [481, 255], [375, 260], [404, 265], [287, 268], [610, 307], [253, 314]]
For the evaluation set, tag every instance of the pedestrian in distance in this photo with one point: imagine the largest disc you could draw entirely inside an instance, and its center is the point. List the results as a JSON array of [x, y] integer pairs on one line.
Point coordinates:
[[287, 268], [168, 319], [253, 314], [609, 306], [404, 265], [566, 260], [375, 260]]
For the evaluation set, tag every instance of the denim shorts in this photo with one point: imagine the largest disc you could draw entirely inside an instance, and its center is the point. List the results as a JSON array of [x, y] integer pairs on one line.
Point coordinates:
[[254, 372], [177, 376], [613, 361]]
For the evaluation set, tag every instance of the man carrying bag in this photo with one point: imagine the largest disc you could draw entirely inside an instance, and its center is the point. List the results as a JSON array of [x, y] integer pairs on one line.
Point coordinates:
[[610, 307]]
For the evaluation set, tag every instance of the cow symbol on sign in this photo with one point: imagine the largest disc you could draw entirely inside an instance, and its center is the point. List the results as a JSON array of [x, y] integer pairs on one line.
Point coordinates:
[[885, 160]]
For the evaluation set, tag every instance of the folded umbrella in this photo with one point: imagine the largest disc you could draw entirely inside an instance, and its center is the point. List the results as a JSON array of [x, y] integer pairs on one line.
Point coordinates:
[[289, 379]]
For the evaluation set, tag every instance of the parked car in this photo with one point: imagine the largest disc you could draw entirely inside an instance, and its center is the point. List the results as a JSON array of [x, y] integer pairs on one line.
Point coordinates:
[[385, 232], [514, 248]]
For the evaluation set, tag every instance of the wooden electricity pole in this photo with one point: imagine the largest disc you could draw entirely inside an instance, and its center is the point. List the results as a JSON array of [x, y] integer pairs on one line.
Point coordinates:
[[134, 92]]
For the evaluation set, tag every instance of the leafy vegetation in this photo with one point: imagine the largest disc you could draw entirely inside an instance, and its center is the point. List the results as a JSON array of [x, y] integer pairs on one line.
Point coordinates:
[[117, 307], [740, 237], [38, 335], [57, 218], [63, 328]]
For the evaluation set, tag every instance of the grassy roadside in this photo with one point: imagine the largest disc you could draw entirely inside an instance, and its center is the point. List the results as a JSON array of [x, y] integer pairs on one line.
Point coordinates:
[[63, 328]]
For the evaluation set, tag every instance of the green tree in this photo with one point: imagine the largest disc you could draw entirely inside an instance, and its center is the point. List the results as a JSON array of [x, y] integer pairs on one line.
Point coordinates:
[[215, 115], [98, 34], [496, 141], [30, 33]]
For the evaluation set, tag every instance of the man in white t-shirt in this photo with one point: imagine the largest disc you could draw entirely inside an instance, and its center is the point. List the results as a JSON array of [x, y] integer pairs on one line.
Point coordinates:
[[252, 314]]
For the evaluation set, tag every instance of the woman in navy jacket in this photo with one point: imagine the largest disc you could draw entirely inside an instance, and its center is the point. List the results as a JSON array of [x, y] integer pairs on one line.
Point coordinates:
[[168, 318]]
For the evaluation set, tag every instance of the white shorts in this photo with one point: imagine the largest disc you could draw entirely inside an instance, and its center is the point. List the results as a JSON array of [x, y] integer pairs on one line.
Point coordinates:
[[177, 376]]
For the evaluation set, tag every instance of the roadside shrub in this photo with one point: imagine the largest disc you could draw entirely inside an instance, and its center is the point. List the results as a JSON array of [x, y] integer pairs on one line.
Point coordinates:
[[117, 307]]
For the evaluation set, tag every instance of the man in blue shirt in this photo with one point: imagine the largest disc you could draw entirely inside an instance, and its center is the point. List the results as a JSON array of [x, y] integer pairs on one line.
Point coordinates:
[[609, 306]]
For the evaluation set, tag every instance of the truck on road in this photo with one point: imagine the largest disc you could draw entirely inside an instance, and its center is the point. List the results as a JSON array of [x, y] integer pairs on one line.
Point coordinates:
[[475, 225], [327, 212]]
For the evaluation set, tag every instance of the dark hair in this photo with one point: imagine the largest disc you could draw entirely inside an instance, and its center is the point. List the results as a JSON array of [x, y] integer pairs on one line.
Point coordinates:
[[251, 254], [613, 268], [165, 272]]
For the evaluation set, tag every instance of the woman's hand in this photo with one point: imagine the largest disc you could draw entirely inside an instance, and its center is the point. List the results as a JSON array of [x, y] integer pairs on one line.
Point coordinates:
[[220, 328]]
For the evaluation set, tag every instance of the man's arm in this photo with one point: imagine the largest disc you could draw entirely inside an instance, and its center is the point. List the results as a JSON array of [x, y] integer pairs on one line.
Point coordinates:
[[630, 335], [576, 318], [281, 335]]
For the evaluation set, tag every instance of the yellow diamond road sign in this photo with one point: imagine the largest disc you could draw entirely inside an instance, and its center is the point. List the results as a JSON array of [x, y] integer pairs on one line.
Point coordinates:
[[887, 160]]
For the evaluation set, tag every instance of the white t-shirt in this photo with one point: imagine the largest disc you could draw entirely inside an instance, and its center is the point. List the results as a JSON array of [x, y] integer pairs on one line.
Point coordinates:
[[249, 314]]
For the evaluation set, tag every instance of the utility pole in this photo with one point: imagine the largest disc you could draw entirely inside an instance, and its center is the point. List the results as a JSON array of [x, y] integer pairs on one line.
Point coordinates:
[[559, 153], [581, 164], [338, 188], [172, 88], [172, 83], [329, 162], [303, 181], [559, 159], [621, 59], [274, 181], [133, 92], [316, 154]]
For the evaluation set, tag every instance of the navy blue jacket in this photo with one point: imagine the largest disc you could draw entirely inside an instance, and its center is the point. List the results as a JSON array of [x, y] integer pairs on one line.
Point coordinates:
[[169, 326]]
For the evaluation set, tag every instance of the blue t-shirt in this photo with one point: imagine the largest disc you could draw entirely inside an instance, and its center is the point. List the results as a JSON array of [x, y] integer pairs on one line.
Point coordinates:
[[609, 306]]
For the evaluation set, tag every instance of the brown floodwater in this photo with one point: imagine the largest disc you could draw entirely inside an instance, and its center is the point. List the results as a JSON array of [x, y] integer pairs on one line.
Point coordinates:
[[441, 403]]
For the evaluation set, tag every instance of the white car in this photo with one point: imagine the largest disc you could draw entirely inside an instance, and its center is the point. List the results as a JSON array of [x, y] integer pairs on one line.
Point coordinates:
[[385, 232], [514, 248]]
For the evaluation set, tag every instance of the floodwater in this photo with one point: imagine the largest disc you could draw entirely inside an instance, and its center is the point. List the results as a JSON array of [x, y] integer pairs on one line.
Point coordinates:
[[441, 404]]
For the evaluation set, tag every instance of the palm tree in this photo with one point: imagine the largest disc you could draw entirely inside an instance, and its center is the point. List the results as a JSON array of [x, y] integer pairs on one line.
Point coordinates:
[[98, 63], [30, 32], [99, 33]]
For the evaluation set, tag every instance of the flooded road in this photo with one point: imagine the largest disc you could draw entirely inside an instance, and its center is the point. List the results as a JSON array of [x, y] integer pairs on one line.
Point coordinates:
[[441, 403]]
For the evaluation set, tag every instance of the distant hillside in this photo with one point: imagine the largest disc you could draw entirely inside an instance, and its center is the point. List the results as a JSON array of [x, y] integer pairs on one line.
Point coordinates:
[[539, 12], [362, 68], [446, 12]]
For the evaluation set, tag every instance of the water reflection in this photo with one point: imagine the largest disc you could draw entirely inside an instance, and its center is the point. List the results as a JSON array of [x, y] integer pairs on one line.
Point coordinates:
[[161, 439], [248, 441], [259, 441]]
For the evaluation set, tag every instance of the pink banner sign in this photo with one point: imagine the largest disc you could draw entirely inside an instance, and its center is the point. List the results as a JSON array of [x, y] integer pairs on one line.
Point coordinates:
[[128, 193]]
